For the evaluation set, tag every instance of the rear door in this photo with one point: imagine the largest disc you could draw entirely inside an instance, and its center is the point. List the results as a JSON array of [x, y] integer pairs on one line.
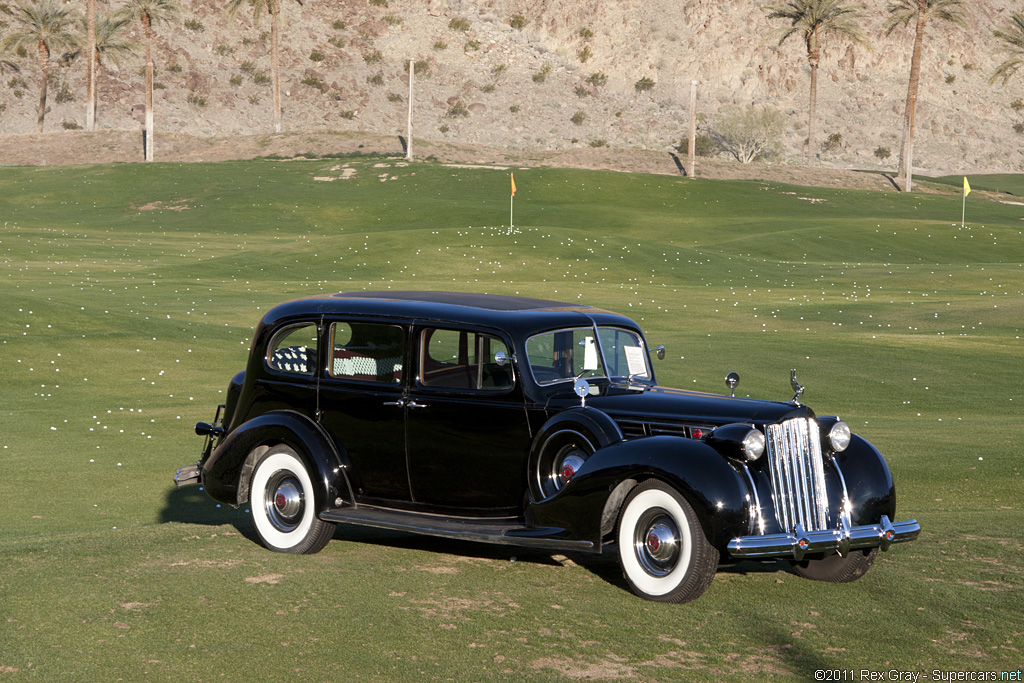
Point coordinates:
[[362, 404]]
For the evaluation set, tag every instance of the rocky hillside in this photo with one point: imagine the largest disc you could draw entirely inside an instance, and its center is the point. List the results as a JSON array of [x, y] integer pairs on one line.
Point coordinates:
[[518, 74]]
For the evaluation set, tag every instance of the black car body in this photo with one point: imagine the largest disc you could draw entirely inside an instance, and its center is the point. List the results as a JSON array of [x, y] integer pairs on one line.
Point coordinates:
[[536, 423]]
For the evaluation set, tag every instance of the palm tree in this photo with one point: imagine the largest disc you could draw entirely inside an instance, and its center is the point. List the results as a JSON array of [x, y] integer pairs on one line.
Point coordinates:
[[149, 13], [109, 45], [901, 13], [45, 26], [1013, 43], [273, 8], [814, 20]]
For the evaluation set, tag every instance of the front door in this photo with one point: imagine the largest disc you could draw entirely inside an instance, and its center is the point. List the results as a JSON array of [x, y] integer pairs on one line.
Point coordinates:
[[468, 437]]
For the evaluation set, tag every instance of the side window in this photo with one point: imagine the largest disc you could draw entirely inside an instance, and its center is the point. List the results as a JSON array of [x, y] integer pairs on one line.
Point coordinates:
[[367, 352], [293, 350], [460, 359]]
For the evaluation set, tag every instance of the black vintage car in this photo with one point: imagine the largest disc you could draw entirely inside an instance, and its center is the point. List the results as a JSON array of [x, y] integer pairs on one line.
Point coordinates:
[[536, 423]]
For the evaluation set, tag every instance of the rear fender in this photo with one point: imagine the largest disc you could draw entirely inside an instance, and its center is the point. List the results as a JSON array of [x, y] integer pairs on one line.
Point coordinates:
[[589, 503], [227, 472]]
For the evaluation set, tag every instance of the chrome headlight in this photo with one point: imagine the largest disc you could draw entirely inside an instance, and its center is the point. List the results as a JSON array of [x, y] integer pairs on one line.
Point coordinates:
[[738, 440], [753, 445], [839, 436]]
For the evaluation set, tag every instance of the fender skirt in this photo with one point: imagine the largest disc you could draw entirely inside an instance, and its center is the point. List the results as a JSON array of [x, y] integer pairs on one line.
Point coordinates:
[[718, 494], [226, 471]]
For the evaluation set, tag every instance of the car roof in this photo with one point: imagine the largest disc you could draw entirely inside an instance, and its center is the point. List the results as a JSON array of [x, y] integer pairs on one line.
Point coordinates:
[[517, 315], [492, 302]]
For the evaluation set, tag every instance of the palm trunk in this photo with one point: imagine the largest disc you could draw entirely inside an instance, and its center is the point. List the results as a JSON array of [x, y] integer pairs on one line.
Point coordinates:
[[915, 80], [813, 58], [147, 24], [43, 54], [275, 65], [95, 94], [812, 117], [90, 82]]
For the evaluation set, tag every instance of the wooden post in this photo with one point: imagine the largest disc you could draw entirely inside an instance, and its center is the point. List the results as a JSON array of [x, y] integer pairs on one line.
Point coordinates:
[[408, 134], [693, 130], [90, 32]]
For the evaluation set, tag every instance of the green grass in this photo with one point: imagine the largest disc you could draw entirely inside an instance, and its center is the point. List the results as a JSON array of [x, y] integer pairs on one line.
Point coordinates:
[[1010, 183], [130, 294]]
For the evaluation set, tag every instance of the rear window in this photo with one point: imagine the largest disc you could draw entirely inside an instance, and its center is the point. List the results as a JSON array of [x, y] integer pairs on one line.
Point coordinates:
[[293, 350]]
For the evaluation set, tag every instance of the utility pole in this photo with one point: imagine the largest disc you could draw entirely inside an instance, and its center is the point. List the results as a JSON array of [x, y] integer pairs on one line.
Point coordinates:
[[693, 130], [408, 134]]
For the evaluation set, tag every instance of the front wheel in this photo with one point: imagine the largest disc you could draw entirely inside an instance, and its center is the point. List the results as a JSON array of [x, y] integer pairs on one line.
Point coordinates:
[[283, 506], [662, 548], [836, 568]]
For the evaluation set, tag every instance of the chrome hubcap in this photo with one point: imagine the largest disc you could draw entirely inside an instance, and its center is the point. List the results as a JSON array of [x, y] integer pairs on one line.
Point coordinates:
[[656, 542], [570, 464], [284, 502], [661, 542]]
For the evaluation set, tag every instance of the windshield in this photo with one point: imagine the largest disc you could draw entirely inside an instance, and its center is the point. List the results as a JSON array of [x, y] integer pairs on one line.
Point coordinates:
[[567, 354]]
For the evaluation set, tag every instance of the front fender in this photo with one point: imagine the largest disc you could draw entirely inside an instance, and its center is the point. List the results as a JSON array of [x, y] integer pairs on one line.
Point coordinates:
[[225, 473], [868, 482], [709, 482]]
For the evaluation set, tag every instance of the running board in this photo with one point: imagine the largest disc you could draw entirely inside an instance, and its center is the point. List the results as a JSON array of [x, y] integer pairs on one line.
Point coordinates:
[[461, 529]]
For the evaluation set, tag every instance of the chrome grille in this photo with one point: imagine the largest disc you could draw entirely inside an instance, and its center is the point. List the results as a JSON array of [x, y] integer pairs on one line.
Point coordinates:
[[797, 473]]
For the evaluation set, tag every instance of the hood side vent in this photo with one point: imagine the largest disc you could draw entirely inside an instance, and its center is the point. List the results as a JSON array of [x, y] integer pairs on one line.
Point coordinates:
[[634, 429]]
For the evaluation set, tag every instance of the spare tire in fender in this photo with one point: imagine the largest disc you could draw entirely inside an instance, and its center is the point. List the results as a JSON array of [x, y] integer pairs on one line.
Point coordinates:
[[563, 444]]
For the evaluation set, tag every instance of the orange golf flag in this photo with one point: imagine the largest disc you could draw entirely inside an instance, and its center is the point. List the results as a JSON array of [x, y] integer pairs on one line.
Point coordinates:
[[513, 184]]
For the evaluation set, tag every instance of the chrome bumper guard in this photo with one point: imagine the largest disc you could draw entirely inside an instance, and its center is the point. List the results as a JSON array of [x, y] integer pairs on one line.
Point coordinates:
[[187, 475], [842, 540]]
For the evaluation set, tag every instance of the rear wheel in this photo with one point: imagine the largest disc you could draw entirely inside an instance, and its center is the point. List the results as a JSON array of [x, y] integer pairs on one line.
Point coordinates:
[[836, 568], [283, 506], [662, 548]]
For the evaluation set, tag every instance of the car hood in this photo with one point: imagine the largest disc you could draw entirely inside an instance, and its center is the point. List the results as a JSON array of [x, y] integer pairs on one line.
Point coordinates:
[[637, 402]]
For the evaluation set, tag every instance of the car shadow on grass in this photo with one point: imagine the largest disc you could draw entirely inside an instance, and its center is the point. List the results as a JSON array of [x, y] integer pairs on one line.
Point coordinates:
[[191, 505]]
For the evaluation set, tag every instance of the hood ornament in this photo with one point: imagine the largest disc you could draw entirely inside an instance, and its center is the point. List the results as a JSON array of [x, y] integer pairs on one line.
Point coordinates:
[[797, 387]]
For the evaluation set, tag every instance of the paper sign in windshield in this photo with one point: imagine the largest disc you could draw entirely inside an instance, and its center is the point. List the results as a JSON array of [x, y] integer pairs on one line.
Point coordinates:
[[590, 354], [635, 360]]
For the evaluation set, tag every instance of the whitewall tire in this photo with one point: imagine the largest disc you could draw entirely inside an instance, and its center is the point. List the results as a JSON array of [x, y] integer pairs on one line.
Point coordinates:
[[662, 548], [283, 506]]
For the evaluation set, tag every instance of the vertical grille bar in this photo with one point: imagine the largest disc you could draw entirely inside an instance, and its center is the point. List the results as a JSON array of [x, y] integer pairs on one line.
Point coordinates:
[[797, 474]]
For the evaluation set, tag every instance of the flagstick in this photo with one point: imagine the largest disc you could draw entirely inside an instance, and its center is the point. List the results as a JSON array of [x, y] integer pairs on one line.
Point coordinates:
[[963, 211], [511, 202]]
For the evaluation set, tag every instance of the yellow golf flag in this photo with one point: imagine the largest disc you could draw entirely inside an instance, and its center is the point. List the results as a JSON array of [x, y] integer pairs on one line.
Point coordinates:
[[514, 184], [967, 187]]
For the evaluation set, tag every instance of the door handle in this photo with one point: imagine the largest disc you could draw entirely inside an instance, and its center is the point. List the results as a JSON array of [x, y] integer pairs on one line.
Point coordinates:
[[399, 402], [414, 404]]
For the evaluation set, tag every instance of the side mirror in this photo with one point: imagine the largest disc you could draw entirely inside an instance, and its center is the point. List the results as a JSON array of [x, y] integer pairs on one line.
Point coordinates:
[[661, 352], [731, 380], [500, 357]]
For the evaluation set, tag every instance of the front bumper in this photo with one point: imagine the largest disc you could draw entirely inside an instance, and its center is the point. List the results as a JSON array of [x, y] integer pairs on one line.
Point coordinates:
[[842, 540]]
